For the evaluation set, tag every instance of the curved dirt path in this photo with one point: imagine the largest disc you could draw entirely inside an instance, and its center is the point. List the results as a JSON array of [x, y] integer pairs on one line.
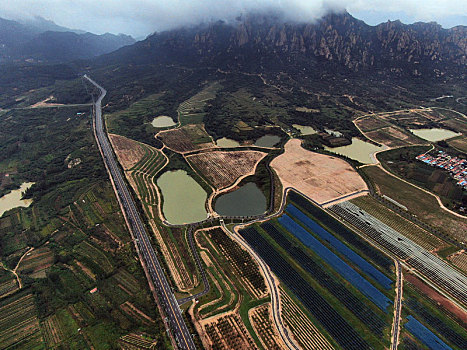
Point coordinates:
[[273, 288], [424, 190]]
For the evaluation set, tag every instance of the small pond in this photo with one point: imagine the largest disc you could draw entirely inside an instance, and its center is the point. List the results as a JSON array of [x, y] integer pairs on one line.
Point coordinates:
[[183, 198], [163, 121], [247, 200], [304, 129], [434, 135], [227, 143], [13, 199], [358, 150], [267, 141]]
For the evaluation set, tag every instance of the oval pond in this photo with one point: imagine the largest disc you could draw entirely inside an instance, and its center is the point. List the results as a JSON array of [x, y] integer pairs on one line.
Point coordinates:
[[248, 200], [184, 199]]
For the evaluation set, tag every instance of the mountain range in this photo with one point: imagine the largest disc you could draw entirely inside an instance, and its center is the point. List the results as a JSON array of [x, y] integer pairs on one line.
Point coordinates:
[[40, 40], [259, 42]]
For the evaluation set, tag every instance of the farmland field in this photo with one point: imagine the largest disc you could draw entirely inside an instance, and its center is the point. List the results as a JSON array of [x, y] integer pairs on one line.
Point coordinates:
[[434, 268], [459, 143], [393, 137], [186, 138], [401, 162], [320, 177], [36, 263], [222, 169], [228, 333], [129, 152], [261, 320], [19, 324], [400, 224], [460, 260], [369, 123], [306, 333], [335, 324], [423, 205], [73, 240]]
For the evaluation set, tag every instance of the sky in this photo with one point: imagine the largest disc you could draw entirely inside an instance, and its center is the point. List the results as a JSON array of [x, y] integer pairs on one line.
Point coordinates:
[[143, 17]]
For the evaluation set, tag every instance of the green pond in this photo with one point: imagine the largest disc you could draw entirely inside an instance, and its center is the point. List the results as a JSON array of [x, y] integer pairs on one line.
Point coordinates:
[[227, 143], [434, 135], [248, 200], [267, 141], [304, 129], [13, 199], [358, 150], [163, 121], [183, 198]]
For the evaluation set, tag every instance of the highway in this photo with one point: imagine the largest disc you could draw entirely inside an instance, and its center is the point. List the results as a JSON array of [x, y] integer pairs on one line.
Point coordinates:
[[137, 229]]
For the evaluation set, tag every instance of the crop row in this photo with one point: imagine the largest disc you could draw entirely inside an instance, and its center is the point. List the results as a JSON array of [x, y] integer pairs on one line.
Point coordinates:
[[336, 244], [441, 327], [339, 265], [263, 326], [425, 335], [398, 223], [331, 320], [414, 255], [229, 333], [136, 340], [241, 260], [343, 232], [327, 281], [309, 337]]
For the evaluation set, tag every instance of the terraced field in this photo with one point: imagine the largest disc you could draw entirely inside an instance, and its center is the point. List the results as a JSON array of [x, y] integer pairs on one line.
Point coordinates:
[[236, 285], [143, 173], [241, 261], [19, 323], [192, 110], [36, 263]]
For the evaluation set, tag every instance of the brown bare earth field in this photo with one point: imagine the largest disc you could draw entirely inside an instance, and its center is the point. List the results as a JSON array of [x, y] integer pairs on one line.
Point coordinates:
[[393, 137], [187, 138], [129, 152], [261, 320], [370, 123], [460, 143], [318, 176], [228, 332], [434, 295], [222, 169], [460, 260]]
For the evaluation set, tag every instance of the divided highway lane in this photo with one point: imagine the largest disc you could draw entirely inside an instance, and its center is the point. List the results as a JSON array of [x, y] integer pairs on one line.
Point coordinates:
[[166, 297]]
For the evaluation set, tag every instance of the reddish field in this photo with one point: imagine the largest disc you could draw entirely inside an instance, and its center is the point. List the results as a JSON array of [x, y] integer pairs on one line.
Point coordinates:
[[129, 152], [222, 169], [318, 176], [434, 295], [187, 138]]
